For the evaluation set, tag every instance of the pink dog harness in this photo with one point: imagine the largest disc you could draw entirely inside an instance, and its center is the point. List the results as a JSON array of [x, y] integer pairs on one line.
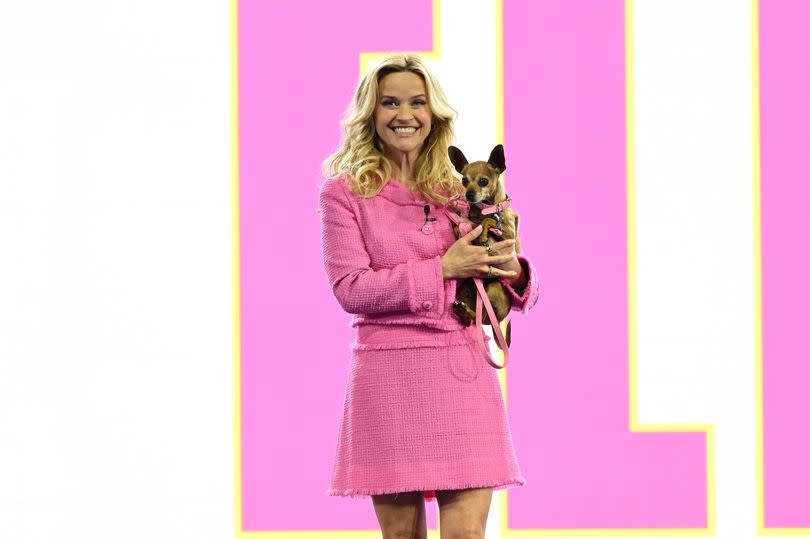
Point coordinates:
[[498, 207]]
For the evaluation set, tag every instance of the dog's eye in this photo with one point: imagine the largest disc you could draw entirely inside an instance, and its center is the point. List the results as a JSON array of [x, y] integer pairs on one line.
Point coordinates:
[[465, 182], [483, 182]]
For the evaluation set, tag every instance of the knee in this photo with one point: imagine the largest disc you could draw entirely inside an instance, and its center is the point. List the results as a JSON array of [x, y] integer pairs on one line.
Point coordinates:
[[467, 532], [405, 534]]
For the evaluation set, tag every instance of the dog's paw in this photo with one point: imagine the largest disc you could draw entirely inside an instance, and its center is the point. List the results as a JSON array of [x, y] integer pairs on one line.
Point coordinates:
[[462, 312]]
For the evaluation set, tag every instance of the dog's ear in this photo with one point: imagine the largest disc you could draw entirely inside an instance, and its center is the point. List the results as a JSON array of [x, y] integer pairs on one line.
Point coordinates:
[[457, 158], [496, 159]]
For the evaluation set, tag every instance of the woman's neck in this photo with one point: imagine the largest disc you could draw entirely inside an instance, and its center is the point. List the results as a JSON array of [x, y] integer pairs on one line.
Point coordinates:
[[402, 167]]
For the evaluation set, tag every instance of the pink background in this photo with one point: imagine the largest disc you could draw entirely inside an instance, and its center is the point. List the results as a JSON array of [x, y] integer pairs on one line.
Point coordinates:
[[785, 146]]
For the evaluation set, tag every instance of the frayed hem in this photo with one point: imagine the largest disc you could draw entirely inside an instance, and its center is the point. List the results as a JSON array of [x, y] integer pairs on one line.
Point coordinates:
[[408, 345], [370, 337], [442, 324], [429, 492]]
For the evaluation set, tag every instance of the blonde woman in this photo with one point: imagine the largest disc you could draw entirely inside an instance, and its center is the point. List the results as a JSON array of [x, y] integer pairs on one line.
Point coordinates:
[[423, 415]]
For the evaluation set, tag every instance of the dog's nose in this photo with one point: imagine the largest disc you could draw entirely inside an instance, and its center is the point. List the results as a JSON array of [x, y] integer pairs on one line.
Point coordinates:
[[470, 196]]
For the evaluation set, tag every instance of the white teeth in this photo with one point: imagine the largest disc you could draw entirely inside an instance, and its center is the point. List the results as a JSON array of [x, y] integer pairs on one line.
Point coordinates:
[[405, 129]]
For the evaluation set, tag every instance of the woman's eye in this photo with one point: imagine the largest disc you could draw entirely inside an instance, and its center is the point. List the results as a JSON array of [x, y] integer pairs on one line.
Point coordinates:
[[418, 102], [388, 103], [483, 182]]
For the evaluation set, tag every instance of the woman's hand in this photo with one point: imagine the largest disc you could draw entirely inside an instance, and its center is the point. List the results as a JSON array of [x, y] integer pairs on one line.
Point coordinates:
[[463, 260], [513, 264]]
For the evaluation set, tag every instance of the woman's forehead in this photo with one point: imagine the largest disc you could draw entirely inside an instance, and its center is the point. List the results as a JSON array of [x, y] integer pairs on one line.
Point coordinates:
[[402, 84]]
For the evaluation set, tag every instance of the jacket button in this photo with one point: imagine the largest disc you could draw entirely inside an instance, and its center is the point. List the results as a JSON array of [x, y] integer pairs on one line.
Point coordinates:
[[427, 305]]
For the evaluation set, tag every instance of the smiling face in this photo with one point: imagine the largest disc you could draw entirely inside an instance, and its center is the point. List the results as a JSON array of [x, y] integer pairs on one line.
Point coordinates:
[[402, 103]]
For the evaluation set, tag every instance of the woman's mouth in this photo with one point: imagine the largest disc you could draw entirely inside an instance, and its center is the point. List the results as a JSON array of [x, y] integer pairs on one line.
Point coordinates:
[[404, 132]]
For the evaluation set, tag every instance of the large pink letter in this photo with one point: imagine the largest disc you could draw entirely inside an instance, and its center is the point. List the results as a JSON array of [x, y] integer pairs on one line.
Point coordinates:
[[298, 65], [565, 138], [784, 30]]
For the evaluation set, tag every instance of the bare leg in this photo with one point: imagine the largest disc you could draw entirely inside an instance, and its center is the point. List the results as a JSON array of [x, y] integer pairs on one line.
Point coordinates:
[[401, 515], [463, 513]]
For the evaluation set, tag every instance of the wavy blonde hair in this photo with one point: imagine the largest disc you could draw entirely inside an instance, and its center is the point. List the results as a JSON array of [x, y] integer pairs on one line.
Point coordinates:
[[360, 156]]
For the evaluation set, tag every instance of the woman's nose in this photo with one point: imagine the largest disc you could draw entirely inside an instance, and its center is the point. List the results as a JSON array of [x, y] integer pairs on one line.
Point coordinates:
[[405, 111]]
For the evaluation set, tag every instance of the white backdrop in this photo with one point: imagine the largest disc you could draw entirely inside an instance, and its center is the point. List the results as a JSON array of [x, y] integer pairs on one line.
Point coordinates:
[[116, 362]]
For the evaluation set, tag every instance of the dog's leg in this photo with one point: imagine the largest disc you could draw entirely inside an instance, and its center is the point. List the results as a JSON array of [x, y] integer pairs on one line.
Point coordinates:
[[464, 306], [501, 303], [486, 223]]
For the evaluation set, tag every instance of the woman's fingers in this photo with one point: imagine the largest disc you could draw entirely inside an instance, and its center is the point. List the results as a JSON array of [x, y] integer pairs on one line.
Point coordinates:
[[492, 271], [474, 260], [501, 247], [491, 268], [472, 234], [497, 260]]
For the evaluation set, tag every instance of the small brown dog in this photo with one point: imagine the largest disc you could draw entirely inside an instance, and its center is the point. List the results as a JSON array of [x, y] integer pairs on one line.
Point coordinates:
[[484, 190]]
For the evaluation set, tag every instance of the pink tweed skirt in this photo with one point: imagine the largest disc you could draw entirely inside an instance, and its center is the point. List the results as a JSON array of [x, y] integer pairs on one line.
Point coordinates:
[[423, 411]]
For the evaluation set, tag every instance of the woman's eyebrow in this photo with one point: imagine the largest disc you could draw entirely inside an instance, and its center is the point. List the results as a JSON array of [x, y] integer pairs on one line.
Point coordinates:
[[395, 97]]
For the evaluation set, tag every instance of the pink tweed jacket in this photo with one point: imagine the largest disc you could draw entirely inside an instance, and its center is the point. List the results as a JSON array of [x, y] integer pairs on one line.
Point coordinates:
[[384, 269]]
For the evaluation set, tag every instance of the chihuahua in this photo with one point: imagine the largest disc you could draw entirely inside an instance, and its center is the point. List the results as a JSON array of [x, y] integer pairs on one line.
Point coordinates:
[[484, 190]]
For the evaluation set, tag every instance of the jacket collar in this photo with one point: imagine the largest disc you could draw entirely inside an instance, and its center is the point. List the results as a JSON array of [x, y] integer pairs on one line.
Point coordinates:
[[398, 193]]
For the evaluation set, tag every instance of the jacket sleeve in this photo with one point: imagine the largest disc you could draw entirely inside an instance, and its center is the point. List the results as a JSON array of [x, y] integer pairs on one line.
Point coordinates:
[[415, 285], [525, 299]]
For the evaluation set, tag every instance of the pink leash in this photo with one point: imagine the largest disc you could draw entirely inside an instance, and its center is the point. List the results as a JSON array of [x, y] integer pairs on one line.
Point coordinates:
[[464, 227]]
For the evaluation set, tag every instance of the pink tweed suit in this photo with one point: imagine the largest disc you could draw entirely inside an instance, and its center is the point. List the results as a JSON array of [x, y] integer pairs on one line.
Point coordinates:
[[423, 410]]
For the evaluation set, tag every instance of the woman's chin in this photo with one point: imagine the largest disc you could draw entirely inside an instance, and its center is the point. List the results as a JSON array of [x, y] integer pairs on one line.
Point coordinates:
[[405, 146]]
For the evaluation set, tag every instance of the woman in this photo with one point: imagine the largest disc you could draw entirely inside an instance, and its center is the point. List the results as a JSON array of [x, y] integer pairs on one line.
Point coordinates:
[[423, 414]]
